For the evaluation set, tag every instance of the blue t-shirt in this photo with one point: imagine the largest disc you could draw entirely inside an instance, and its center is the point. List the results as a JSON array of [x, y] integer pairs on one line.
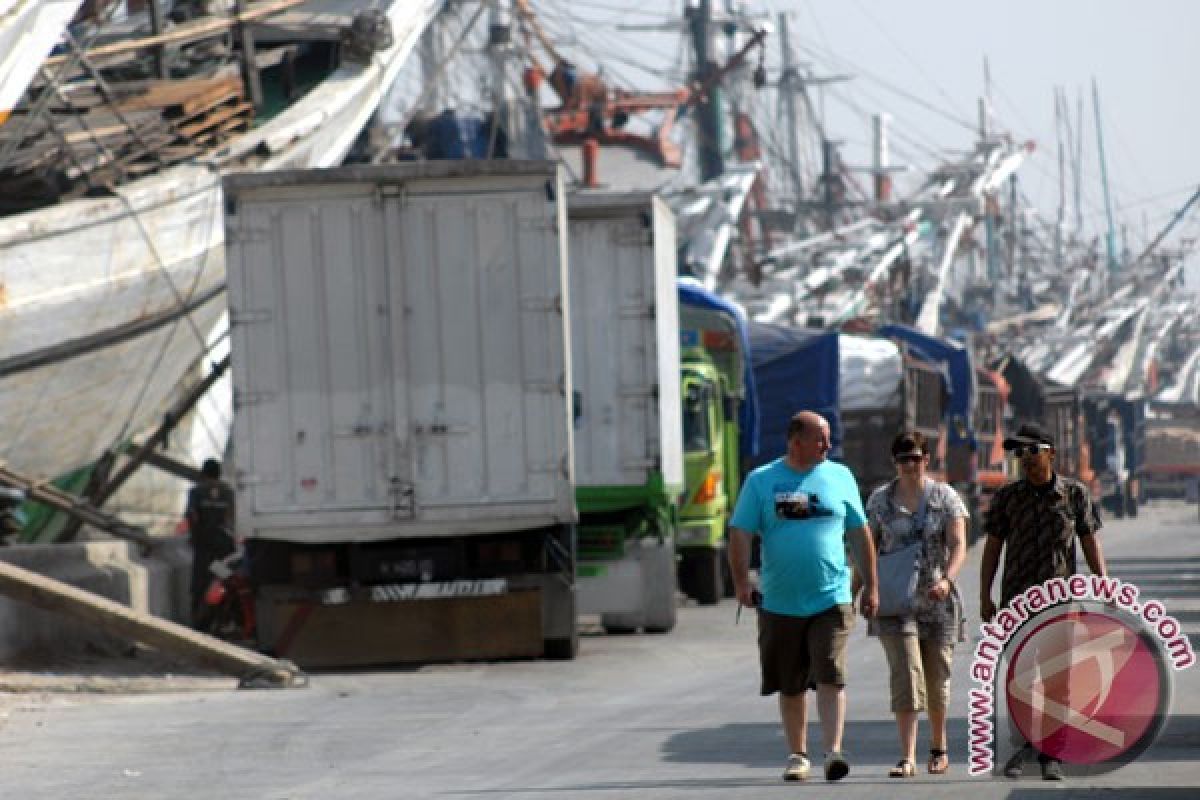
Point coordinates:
[[802, 518]]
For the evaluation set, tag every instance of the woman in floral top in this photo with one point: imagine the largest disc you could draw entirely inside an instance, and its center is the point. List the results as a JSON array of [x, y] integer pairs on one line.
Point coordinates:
[[920, 648]]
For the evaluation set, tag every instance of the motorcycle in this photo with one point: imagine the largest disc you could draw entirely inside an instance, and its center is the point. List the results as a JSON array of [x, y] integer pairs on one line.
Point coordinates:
[[229, 600]]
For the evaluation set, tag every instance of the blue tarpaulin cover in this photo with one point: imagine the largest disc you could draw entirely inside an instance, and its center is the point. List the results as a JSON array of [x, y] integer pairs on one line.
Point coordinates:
[[794, 370], [959, 374]]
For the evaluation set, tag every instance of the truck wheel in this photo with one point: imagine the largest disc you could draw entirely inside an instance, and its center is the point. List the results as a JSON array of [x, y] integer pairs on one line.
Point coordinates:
[[708, 581], [564, 649], [687, 583], [658, 588], [620, 624]]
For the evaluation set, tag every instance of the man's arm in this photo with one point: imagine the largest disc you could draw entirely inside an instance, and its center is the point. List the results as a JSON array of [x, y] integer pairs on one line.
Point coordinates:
[[1087, 522], [862, 551], [739, 565], [992, 546], [1094, 554]]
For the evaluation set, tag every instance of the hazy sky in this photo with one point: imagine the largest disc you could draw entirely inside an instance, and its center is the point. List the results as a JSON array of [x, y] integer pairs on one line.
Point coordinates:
[[1144, 55]]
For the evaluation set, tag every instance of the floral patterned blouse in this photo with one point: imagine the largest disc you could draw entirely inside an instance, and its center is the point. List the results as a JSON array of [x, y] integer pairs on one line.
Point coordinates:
[[892, 528]]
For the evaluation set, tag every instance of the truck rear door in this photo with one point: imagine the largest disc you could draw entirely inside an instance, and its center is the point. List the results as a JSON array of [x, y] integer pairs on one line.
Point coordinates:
[[315, 337], [625, 341], [480, 345]]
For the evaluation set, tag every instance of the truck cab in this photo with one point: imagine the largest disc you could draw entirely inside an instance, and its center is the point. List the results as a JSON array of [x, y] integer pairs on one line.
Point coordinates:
[[708, 477], [717, 394]]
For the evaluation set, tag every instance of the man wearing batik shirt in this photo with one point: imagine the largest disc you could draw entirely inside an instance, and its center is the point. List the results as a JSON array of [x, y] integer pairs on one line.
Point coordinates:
[[1036, 521]]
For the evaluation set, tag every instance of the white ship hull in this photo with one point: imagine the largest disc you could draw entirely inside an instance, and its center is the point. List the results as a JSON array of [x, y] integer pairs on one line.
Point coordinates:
[[106, 303]]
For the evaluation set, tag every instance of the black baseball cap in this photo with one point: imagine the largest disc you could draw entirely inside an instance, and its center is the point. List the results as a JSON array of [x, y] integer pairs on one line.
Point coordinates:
[[1029, 433]]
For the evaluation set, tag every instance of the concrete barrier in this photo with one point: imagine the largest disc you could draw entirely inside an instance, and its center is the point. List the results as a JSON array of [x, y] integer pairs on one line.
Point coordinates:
[[156, 585]]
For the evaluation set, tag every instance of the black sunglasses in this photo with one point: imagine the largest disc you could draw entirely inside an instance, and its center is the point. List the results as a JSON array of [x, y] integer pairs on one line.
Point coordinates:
[[1022, 450], [908, 458]]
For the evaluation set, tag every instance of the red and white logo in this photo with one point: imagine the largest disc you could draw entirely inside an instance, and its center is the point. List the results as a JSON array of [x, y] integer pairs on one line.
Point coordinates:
[[1086, 688]]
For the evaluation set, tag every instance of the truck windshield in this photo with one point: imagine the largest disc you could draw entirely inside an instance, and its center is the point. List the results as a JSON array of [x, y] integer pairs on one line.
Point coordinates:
[[697, 419]]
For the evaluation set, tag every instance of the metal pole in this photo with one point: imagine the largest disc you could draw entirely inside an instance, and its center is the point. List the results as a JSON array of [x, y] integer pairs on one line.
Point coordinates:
[[787, 82], [827, 200], [1012, 228], [1111, 237], [1170, 226], [709, 111], [1078, 164], [1062, 182]]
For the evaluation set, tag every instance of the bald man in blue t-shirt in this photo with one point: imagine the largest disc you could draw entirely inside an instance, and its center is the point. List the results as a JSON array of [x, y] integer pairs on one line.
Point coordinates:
[[805, 509]]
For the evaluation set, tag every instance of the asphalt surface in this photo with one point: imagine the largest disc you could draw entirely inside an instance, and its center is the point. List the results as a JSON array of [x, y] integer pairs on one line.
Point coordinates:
[[676, 715]]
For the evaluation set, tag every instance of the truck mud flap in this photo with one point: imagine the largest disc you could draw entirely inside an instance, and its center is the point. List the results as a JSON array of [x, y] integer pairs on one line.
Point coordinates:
[[361, 631]]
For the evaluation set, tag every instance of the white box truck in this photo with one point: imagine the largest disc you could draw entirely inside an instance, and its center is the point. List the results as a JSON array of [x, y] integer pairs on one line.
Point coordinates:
[[629, 471], [402, 427]]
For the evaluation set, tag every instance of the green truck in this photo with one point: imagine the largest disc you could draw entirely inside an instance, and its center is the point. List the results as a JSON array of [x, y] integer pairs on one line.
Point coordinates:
[[718, 424], [659, 367], [628, 457]]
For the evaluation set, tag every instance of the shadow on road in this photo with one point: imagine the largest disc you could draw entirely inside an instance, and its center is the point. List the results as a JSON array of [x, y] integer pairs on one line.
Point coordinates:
[[866, 742], [872, 744]]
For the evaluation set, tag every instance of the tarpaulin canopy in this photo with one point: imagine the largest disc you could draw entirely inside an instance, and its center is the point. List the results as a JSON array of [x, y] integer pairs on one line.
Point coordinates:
[[795, 370], [959, 375]]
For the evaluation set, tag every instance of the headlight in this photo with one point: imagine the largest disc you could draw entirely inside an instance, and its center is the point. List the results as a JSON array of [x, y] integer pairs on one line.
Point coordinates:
[[693, 534]]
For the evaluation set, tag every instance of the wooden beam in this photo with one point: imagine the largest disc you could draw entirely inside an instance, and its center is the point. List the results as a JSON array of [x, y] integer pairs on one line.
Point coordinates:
[[160, 52], [77, 508], [249, 67], [254, 669], [167, 464], [188, 32], [159, 437]]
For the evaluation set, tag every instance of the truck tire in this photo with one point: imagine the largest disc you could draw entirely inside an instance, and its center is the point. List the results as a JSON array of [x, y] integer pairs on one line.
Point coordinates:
[[564, 649], [620, 624], [658, 587], [706, 579]]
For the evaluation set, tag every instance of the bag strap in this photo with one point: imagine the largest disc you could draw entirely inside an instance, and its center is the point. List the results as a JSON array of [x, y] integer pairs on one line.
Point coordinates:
[[919, 518]]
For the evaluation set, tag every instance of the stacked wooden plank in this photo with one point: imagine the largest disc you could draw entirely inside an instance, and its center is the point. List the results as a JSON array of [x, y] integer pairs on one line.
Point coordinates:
[[200, 115], [89, 139]]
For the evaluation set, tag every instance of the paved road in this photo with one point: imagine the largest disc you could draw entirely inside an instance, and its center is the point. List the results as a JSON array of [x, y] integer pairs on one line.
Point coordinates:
[[633, 717]]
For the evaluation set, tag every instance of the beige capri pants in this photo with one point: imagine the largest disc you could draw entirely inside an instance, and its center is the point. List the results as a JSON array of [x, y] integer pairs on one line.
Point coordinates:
[[919, 671]]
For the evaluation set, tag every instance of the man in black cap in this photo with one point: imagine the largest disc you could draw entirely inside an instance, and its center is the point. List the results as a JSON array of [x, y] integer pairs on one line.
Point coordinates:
[[210, 510], [1035, 521]]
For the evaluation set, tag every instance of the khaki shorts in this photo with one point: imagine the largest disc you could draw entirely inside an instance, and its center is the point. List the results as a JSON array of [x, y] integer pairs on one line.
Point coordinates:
[[796, 652], [920, 671]]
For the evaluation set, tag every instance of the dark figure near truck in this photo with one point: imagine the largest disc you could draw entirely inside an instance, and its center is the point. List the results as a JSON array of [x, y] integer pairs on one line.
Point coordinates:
[[210, 531]]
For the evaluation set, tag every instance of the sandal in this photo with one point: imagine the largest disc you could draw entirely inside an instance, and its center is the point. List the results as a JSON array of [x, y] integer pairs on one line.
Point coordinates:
[[938, 762], [903, 769]]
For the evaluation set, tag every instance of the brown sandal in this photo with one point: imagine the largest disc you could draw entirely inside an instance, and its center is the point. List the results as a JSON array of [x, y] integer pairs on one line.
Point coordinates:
[[903, 769], [938, 762]]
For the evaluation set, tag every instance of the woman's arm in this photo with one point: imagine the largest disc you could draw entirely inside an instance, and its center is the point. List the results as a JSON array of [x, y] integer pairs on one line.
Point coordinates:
[[956, 554]]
